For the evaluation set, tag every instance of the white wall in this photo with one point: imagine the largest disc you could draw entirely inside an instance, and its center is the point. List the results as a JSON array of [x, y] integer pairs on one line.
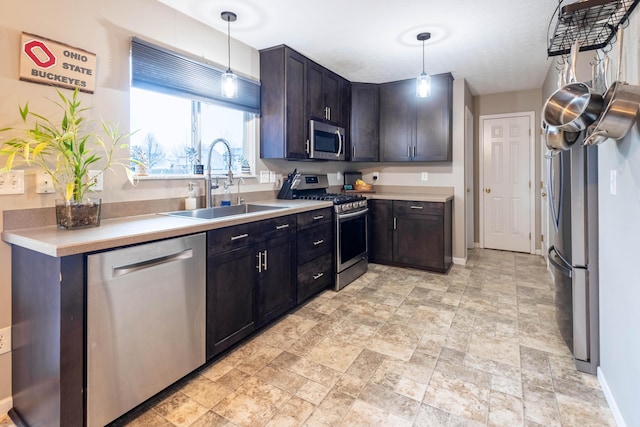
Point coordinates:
[[619, 277]]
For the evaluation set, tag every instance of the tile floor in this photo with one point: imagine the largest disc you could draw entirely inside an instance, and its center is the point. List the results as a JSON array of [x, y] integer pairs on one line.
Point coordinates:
[[400, 347]]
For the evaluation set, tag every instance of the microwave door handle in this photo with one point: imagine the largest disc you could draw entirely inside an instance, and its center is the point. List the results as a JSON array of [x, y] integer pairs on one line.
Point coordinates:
[[339, 143]]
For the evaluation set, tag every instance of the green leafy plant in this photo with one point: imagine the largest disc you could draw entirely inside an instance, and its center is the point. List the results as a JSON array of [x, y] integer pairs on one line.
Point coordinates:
[[64, 150]]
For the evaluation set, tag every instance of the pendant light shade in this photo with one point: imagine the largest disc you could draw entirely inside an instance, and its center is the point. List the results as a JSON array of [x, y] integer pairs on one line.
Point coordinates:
[[423, 82], [228, 80]]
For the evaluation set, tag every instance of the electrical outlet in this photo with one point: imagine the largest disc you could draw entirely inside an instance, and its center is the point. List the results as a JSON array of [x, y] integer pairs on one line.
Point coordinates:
[[264, 177], [272, 176], [97, 178], [5, 340], [12, 182], [44, 183], [425, 176]]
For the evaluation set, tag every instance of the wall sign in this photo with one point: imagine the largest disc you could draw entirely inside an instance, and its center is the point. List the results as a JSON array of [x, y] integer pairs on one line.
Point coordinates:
[[52, 63]]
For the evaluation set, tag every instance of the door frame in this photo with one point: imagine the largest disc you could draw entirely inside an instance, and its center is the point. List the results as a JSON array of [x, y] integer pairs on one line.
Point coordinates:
[[468, 180], [532, 173]]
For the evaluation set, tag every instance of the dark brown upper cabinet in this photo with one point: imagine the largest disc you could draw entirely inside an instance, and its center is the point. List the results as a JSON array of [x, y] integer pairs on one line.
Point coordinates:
[[365, 126], [294, 90], [416, 129]]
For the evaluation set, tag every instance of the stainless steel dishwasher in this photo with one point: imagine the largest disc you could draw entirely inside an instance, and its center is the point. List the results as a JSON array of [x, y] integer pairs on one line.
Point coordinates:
[[145, 322]]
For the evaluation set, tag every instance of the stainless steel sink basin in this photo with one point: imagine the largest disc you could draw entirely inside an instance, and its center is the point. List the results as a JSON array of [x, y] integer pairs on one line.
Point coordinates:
[[222, 211]]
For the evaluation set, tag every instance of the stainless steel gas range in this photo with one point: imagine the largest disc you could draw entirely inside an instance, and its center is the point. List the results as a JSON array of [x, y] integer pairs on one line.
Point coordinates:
[[350, 219]]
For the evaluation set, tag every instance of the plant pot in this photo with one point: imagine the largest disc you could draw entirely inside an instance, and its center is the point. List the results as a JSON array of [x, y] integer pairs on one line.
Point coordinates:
[[72, 215]]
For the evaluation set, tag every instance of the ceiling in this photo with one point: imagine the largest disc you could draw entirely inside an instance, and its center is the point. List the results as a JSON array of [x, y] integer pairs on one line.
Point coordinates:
[[495, 45]]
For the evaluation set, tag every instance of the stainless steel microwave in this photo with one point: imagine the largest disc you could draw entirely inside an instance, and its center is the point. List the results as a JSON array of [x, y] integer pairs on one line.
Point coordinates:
[[326, 142]]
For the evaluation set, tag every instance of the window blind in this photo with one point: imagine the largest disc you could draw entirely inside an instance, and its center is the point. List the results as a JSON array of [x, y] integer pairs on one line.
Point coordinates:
[[159, 69]]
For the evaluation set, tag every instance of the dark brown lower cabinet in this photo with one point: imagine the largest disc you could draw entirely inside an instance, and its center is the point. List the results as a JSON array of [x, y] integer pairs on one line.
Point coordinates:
[[252, 283], [230, 298], [276, 279], [411, 233], [314, 252]]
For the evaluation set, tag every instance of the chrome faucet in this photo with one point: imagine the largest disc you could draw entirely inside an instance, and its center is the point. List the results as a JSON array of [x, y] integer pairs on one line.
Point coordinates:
[[208, 186], [240, 199]]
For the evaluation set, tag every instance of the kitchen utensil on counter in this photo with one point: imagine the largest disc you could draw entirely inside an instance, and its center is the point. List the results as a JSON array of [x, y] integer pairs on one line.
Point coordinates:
[[619, 116]]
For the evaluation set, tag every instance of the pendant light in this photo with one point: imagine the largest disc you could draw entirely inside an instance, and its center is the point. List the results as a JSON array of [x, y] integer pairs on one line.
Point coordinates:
[[423, 82], [228, 80]]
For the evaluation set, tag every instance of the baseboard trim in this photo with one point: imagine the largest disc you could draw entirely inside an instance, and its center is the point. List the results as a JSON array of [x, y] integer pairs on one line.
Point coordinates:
[[615, 411], [6, 404], [459, 261]]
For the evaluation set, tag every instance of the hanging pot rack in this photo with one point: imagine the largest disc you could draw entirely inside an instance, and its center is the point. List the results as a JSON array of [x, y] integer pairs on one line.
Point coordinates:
[[593, 23]]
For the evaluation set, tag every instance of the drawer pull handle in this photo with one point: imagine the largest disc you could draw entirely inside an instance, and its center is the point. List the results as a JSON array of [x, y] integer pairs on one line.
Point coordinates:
[[318, 242], [319, 217], [417, 207], [317, 276], [280, 227], [240, 236]]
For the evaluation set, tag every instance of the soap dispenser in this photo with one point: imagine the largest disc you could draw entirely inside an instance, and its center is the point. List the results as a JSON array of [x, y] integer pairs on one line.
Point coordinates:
[[226, 195], [191, 202]]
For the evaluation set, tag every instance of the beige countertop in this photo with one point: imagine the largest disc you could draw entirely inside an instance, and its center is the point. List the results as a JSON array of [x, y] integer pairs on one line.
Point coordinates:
[[139, 229], [417, 197]]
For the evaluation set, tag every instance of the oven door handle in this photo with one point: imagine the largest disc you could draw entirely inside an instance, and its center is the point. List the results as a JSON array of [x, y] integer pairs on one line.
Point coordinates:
[[353, 214]]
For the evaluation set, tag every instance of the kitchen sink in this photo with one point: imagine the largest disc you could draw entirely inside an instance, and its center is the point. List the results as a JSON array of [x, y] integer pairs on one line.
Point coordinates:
[[222, 211]]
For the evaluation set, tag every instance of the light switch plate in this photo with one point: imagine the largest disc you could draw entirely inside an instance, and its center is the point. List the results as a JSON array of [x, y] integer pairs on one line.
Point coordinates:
[[264, 177], [44, 183], [272, 176], [97, 177], [12, 182], [5, 340]]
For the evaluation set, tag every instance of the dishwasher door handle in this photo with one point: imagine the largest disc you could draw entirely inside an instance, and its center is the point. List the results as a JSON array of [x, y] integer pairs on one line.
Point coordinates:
[[142, 265]]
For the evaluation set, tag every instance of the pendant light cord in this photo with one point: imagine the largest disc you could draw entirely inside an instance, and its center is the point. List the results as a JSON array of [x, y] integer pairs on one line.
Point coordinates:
[[422, 56], [229, 44]]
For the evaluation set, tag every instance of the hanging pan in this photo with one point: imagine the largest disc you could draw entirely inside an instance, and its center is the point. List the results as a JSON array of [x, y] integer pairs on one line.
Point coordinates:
[[574, 106], [618, 117]]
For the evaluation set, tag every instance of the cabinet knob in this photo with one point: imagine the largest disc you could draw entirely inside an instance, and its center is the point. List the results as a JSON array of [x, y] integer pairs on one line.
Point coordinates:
[[543, 194], [487, 190]]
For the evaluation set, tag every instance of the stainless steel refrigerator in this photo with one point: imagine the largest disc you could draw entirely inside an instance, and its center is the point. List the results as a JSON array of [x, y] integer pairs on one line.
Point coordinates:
[[573, 255]]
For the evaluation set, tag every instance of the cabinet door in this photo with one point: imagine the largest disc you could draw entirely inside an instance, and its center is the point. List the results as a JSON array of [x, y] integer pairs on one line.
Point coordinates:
[[231, 278], [283, 104], [276, 279], [365, 126], [419, 241], [332, 86], [397, 120], [433, 121], [296, 113], [381, 231], [315, 91]]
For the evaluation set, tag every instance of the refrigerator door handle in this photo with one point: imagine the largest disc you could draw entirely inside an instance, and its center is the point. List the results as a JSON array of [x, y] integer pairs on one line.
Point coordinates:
[[555, 214], [565, 267]]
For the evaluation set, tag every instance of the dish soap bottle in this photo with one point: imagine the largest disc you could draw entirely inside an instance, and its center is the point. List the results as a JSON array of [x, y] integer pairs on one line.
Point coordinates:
[[191, 202], [226, 195]]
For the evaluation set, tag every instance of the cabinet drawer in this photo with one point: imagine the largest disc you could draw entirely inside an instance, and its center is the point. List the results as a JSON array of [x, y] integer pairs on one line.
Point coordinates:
[[418, 208], [229, 238], [314, 242], [315, 276], [317, 217], [238, 236], [278, 227]]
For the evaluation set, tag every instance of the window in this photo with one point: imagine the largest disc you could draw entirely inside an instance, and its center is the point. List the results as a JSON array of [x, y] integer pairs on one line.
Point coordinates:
[[176, 115]]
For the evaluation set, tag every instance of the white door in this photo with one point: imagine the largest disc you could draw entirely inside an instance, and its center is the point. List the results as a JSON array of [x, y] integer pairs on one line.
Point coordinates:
[[506, 183], [469, 196]]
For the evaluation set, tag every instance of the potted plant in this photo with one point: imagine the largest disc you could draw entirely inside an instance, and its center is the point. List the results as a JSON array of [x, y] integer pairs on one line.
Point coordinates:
[[66, 152]]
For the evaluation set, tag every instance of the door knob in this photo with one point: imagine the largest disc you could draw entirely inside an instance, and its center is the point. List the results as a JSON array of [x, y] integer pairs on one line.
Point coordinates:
[[487, 190]]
